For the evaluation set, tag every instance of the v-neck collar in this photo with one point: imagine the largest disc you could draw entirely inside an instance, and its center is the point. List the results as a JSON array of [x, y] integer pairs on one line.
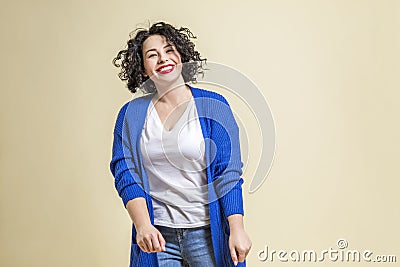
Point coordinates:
[[183, 115]]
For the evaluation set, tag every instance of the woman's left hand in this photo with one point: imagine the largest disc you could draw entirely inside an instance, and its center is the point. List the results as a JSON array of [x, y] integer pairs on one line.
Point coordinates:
[[239, 241]]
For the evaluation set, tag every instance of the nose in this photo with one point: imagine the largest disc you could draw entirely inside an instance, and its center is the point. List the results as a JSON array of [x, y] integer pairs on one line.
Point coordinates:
[[163, 57]]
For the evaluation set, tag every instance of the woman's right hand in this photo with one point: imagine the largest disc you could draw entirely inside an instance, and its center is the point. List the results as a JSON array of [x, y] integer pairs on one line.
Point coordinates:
[[149, 238]]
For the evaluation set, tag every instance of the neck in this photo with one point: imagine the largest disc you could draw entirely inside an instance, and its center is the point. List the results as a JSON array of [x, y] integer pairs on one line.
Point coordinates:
[[173, 94]]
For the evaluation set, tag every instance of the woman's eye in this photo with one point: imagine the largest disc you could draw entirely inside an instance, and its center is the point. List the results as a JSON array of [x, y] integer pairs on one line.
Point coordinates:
[[170, 50], [152, 55]]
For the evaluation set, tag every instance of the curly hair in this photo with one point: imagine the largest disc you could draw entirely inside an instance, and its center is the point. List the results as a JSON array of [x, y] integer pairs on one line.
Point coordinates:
[[132, 67]]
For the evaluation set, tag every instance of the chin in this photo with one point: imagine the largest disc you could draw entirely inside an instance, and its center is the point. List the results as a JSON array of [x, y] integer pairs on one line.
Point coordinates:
[[165, 80]]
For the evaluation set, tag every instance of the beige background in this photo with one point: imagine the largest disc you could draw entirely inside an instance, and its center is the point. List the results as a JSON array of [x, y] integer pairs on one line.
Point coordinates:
[[330, 72]]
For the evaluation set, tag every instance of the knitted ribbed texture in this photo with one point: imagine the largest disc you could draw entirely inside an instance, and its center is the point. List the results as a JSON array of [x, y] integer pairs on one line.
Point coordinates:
[[224, 169]]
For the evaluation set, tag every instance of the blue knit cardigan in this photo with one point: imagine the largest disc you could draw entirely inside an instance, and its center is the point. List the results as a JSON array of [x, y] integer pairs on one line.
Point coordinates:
[[224, 167]]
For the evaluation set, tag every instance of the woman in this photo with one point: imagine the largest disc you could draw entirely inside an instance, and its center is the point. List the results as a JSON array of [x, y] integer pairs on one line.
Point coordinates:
[[176, 157]]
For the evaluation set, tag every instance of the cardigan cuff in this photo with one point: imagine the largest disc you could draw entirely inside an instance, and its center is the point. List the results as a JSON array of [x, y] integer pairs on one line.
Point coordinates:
[[130, 192], [232, 202]]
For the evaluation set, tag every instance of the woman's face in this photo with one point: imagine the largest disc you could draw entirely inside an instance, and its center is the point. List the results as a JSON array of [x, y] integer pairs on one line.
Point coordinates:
[[162, 61]]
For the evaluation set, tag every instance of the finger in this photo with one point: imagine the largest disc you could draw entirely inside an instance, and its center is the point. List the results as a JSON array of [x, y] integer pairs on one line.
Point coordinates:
[[149, 244], [233, 255], [248, 250], [241, 256], [162, 241], [155, 243], [247, 253], [142, 245]]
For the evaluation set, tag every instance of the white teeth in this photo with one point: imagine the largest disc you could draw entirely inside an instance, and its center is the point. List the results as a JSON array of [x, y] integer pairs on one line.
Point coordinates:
[[166, 68]]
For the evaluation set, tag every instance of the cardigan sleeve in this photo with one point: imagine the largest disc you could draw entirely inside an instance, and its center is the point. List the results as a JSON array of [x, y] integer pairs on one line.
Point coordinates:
[[227, 164], [127, 181]]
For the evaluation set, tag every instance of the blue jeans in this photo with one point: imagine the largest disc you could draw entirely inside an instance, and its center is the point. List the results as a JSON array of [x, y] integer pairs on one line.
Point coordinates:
[[186, 247]]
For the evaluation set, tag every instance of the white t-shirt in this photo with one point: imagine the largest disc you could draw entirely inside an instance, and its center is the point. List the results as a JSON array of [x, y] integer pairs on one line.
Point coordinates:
[[175, 164]]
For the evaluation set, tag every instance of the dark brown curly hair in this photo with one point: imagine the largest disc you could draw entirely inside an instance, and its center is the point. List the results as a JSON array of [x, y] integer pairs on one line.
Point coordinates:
[[131, 59]]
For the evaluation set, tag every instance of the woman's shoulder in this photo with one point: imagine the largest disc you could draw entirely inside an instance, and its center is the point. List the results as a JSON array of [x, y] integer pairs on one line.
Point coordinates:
[[135, 104], [201, 92]]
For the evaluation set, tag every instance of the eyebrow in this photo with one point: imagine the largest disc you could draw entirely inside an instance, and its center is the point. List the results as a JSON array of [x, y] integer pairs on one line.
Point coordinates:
[[153, 49]]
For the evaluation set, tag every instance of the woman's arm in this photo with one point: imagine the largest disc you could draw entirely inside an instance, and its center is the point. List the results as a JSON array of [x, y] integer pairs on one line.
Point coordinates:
[[148, 237], [129, 187], [127, 181], [228, 183]]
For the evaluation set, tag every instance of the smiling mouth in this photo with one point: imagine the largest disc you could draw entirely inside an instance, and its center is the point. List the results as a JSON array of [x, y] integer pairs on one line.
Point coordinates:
[[165, 69]]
